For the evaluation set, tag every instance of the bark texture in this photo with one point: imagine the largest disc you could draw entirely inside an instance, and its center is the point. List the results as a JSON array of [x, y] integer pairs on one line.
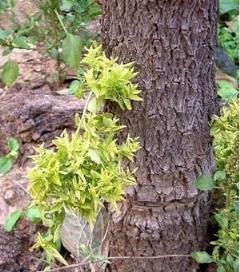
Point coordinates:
[[35, 118], [172, 44]]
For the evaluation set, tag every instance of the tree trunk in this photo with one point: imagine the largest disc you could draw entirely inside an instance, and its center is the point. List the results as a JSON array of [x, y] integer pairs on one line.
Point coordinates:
[[172, 44]]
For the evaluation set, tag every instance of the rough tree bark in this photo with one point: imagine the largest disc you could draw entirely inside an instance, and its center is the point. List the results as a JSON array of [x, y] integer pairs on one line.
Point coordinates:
[[34, 118], [172, 44]]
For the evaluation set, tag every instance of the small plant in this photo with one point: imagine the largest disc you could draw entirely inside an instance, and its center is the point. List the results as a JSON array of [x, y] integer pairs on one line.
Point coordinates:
[[226, 90], [86, 168], [226, 141], [225, 183], [228, 32], [6, 161], [31, 213], [58, 24]]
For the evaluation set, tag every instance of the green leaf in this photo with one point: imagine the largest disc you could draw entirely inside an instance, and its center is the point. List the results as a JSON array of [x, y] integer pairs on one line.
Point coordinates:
[[219, 176], [235, 27], [21, 43], [76, 88], [201, 257], [75, 84], [66, 5], [228, 5], [226, 90], [236, 206], [94, 155], [10, 72], [71, 50], [13, 147], [11, 220], [204, 183], [5, 165], [221, 268], [95, 104], [236, 266], [33, 214], [92, 105], [4, 34], [127, 103]]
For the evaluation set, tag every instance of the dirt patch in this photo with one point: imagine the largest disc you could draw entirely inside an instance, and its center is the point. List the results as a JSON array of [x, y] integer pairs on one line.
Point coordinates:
[[13, 194], [14, 249]]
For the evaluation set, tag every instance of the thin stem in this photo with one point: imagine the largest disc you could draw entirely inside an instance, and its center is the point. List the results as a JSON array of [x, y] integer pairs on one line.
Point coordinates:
[[120, 258], [22, 188], [61, 22], [84, 112]]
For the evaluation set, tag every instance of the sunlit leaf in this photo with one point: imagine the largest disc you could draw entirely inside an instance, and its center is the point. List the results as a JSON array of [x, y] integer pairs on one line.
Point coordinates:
[[76, 88], [226, 90], [202, 257], [94, 155], [33, 214], [5, 165], [13, 147], [11, 220], [71, 50], [10, 72]]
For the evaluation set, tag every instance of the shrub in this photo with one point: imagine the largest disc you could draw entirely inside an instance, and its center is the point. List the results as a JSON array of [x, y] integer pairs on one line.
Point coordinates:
[[225, 130], [86, 167]]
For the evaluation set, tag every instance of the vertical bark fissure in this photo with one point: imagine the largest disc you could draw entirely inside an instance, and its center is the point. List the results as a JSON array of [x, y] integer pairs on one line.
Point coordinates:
[[172, 44]]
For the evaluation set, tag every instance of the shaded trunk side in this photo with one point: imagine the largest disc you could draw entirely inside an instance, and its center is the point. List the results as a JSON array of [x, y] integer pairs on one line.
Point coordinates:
[[172, 44]]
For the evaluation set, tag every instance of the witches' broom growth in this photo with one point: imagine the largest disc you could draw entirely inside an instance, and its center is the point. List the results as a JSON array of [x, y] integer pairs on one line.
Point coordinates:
[[86, 167]]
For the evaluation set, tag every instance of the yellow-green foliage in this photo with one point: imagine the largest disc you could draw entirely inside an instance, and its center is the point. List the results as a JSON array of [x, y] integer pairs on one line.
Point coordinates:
[[86, 167], [109, 80], [225, 130]]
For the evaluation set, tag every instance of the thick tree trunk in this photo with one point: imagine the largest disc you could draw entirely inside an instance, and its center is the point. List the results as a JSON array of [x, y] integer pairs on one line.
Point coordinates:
[[172, 44]]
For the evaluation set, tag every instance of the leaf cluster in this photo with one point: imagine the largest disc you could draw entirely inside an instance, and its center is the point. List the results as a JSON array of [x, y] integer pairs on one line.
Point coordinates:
[[6, 161], [108, 80], [87, 167], [226, 142], [225, 130], [83, 171]]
